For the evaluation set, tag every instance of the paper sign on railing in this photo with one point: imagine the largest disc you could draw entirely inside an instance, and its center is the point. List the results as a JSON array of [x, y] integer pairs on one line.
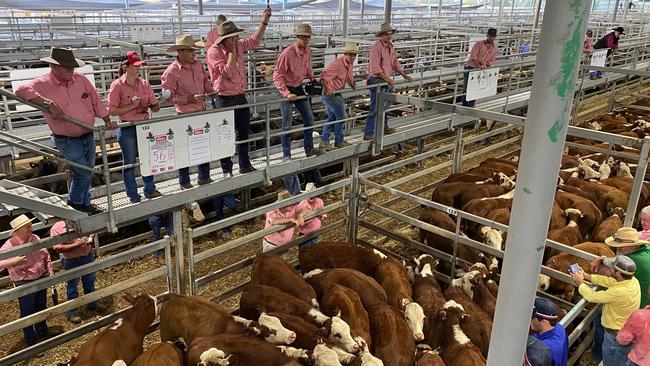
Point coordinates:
[[599, 57], [482, 83]]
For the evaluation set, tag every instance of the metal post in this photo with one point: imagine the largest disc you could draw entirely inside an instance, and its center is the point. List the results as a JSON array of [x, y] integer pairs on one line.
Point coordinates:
[[512, 7], [548, 116], [538, 8], [178, 244], [112, 227], [439, 10], [460, 7], [355, 190], [179, 4], [615, 12], [500, 13], [200, 7], [639, 176], [458, 152], [346, 16], [388, 5], [363, 11], [626, 7]]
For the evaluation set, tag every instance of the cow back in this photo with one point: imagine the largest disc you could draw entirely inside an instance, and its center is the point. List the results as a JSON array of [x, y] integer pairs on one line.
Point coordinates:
[[393, 341], [481, 191], [478, 327], [257, 298], [391, 275], [117, 342], [307, 334], [161, 354], [248, 350], [271, 270], [606, 228], [448, 194], [369, 291], [340, 298], [326, 255]]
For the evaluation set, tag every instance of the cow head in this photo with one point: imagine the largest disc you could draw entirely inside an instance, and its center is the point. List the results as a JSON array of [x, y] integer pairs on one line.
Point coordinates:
[[590, 173], [624, 171], [543, 282], [414, 315], [143, 312], [605, 171], [453, 313], [573, 214], [367, 359], [216, 357], [465, 284], [505, 181], [273, 330], [492, 237], [341, 335], [325, 356], [119, 363], [426, 263]]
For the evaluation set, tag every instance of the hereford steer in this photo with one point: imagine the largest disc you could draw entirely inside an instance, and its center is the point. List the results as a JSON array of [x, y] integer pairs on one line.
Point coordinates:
[[271, 270], [123, 340], [369, 291], [609, 226], [425, 356], [481, 191], [449, 194], [344, 301], [427, 293], [163, 354], [568, 235], [325, 255], [591, 214], [478, 327], [308, 335], [392, 338], [232, 349], [458, 348]]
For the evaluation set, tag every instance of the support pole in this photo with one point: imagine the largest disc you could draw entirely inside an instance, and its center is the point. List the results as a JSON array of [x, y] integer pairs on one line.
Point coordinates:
[[538, 8], [346, 16], [500, 13], [439, 10], [615, 12], [355, 190], [388, 5], [178, 248], [548, 116], [512, 7], [200, 7], [626, 8], [460, 7], [363, 11], [179, 5]]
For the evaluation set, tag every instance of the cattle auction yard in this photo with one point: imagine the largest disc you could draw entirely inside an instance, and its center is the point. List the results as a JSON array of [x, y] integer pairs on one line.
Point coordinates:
[[448, 212]]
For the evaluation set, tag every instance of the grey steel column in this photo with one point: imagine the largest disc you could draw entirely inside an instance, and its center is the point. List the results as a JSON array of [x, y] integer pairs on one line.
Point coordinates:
[[439, 10], [538, 8], [179, 4], [177, 220], [548, 117], [346, 16], [500, 13], [200, 7], [615, 12], [388, 5], [355, 190], [512, 7], [460, 7], [363, 11], [626, 8], [639, 176]]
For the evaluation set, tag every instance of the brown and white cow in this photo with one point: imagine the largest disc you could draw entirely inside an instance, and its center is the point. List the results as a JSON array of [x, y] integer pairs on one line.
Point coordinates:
[[191, 317], [427, 293], [326, 255], [609, 226], [425, 356], [392, 339], [232, 350], [569, 235], [481, 191], [308, 335], [162, 354], [369, 291], [342, 301], [592, 215], [271, 270], [458, 348], [478, 326], [123, 340]]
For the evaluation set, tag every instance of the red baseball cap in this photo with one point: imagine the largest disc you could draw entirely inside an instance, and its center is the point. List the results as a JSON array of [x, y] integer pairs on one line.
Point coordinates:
[[133, 58]]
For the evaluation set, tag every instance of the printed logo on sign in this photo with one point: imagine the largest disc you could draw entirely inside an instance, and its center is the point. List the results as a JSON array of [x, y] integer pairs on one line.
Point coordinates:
[[198, 131], [161, 138]]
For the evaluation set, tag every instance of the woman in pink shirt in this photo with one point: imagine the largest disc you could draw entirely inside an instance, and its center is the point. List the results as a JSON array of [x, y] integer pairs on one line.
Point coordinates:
[[131, 97], [305, 207], [637, 331], [25, 269], [280, 216]]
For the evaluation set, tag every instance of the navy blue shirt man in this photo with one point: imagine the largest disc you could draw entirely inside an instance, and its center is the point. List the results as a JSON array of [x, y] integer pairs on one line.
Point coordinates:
[[545, 324]]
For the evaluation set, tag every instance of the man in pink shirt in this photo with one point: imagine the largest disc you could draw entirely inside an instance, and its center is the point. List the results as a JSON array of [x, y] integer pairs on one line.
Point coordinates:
[[227, 66], [586, 44], [482, 56], [334, 77], [25, 269], [188, 83], [291, 68], [636, 331], [383, 62], [282, 215], [65, 92], [213, 33], [305, 207], [74, 254]]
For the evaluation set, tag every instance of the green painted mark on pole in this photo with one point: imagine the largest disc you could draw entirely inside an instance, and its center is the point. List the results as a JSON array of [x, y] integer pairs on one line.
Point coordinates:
[[526, 190], [555, 130]]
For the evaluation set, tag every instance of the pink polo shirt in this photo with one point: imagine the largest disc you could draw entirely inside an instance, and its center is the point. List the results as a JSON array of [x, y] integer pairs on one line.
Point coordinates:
[[212, 36], [337, 74], [315, 223], [230, 79], [60, 228], [291, 68], [383, 58], [120, 94], [280, 238], [77, 99], [484, 52], [37, 262], [637, 330], [183, 82]]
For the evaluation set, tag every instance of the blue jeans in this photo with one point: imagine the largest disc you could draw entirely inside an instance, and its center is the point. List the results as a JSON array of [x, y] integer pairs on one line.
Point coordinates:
[[129, 144], [308, 244], [596, 74], [156, 222], [242, 127], [219, 202], [291, 183], [599, 334], [80, 150], [304, 107], [335, 107], [28, 305], [369, 130], [87, 281], [313, 176], [613, 353], [466, 103]]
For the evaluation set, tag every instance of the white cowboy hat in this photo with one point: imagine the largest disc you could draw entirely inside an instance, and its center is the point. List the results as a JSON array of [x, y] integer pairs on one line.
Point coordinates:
[[625, 237], [20, 221], [350, 47], [186, 42]]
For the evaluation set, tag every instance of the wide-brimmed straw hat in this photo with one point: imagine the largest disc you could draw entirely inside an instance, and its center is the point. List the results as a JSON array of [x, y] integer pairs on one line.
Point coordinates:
[[19, 222], [350, 47], [186, 42], [625, 237], [227, 29], [385, 27], [304, 29], [63, 57]]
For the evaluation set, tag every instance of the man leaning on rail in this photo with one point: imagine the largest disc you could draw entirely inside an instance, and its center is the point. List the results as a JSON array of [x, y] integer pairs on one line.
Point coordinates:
[[65, 92]]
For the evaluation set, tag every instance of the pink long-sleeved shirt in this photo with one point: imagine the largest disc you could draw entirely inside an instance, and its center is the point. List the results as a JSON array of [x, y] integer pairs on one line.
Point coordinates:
[[37, 262], [292, 67], [637, 330], [484, 52], [383, 58], [230, 79], [121, 93], [337, 73], [183, 82]]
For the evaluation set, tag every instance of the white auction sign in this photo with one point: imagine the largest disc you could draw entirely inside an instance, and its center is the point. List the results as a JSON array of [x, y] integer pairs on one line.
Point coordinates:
[[482, 83], [25, 76], [286, 29], [187, 141], [599, 57], [147, 33], [373, 25]]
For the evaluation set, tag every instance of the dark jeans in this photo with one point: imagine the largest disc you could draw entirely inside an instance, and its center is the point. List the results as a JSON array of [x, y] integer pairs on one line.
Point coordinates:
[[304, 107], [129, 144], [613, 353], [369, 130], [80, 150], [156, 222], [463, 98], [30, 304], [291, 183], [87, 281], [242, 127], [599, 334], [219, 202], [308, 244], [184, 173]]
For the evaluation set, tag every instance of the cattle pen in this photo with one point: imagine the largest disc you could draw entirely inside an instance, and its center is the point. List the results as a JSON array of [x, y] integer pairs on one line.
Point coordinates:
[[374, 190]]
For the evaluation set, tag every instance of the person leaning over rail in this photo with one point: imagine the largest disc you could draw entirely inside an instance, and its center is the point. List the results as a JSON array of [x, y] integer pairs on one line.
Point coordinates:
[[76, 253], [283, 215], [609, 42], [620, 299], [291, 68], [383, 62], [65, 92], [213, 33], [305, 207], [636, 332], [188, 83], [482, 56], [27, 268], [131, 97], [334, 77]]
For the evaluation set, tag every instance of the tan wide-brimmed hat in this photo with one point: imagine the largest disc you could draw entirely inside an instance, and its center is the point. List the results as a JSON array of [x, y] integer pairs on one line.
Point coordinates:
[[625, 237], [186, 42], [304, 29], [283, 195], [19, 222], [385, 27], [227, 29], [350, 47], [63, 57]]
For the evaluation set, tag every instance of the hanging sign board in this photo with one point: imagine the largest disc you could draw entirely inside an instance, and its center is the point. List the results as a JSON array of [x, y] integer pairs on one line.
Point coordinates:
[[285, 29], [187, 141], [147, 33], [482, 83], [599, 57]]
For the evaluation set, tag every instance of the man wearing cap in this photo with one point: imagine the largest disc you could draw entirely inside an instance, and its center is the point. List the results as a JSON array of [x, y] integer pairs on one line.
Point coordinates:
[[482, 56], [213, 33], [620, 299], [188, 83], [334, 77], [609, 41], [227, 66], [383, 62], [74, 254], [547, 329], [65, 92], [537, 353], [291, 68], [27, 268]]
